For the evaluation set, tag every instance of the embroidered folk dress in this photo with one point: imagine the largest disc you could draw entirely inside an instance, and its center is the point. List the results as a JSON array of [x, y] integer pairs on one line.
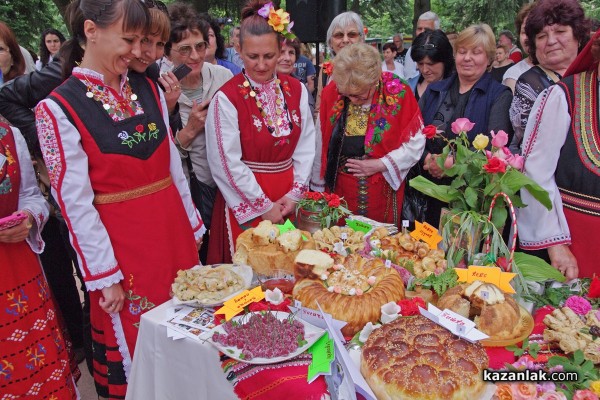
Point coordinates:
[[252, 166], [393, 135], [33, 357], [117, 176], [562, 154]]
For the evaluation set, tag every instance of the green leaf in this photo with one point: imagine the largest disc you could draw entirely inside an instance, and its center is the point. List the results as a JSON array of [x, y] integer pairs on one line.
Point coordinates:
[[441, 192], [516, 180], [499, 215], [457, 183], [471, 197], [536, 269]]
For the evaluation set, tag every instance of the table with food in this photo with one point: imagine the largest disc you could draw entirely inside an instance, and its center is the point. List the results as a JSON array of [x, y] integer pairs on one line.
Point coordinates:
[[404, 322]]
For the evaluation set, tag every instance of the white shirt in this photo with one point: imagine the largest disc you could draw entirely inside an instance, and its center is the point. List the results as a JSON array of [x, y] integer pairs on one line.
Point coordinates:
[[398, 69]]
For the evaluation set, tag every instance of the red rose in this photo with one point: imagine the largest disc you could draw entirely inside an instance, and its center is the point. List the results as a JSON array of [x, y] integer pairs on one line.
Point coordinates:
[[502, 262], [327, 68], [140, 128], [495, 165], [410, 307], [313, 195], [430, 131], [334, 203], [594, 291]]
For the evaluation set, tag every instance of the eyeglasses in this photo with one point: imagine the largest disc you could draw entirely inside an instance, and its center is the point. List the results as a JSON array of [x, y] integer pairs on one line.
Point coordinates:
[[158, 4], [186, 49], [428, 46], [351, 35], [358, 97]]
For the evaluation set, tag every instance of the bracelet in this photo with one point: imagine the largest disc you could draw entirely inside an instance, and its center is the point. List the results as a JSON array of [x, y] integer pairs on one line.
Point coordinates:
[[179, 143]]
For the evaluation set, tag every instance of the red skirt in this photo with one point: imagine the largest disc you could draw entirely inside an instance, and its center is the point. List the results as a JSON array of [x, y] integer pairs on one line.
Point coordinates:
[[371, 197], [34, 363], [224, 227], [584, 229]]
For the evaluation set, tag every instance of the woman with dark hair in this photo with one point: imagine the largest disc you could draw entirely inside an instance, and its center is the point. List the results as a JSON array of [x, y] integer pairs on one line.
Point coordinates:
[[215, 53], [260, 136], [514, 72], [556, 31], [50, 43], [12, 63], [561, 154], [290, 51], [389, 63], [432, 52], [118, 179]]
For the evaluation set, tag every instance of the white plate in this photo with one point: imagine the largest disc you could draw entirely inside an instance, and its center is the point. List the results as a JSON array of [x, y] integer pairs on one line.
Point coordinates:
[[311, 335], [244, 271]]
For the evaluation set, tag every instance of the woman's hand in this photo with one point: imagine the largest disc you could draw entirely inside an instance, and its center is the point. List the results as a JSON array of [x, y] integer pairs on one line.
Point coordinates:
[[195, 123], [19, 232], [287, 205], [113, 298], [172, 89], [365, 168], [199, 242], [275, 214], [430, 164], [563, 260]]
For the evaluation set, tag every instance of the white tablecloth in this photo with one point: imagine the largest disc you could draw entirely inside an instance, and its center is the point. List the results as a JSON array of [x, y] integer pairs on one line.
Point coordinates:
[[182, 369]]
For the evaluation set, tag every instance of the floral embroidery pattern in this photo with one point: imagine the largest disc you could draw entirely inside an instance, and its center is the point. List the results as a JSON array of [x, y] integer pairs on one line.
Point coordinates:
[[137, 303], [37, 357], [18, 302], [296, 118], [139, 135], [245, 91], [257, 123], [243, 210], [337, 110], [5, 186], [44, 291], [6, 369], [282, 141], [298, 189], [49, 143], [286, 88]]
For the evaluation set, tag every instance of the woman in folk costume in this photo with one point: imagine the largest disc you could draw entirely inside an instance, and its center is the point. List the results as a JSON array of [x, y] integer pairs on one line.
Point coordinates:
[[33, 357], [371, 130], [561, 151], [117, 177], [260, 135]]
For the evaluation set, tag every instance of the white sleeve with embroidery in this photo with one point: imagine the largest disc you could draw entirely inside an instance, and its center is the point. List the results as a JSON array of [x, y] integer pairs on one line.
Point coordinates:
[[179, 178], [399, 161], [304, 153], [67, 164], [317, 183], [545, 135], [30, 197], [235, 180]]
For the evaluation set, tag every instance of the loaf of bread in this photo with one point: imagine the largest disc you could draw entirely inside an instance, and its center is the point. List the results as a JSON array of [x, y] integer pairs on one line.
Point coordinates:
[[352, 290], [417, 359]]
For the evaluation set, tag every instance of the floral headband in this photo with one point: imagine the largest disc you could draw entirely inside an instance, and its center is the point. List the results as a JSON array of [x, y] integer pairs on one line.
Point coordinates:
[[279, 20]]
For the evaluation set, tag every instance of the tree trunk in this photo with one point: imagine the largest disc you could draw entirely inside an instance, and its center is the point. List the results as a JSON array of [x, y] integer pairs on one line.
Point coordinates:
[[421, 6], [355, 6], [62, 5]]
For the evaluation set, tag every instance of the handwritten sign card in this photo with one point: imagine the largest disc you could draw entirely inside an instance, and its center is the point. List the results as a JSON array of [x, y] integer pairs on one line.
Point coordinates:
[[234, 306], [486, 274], [426, 233]]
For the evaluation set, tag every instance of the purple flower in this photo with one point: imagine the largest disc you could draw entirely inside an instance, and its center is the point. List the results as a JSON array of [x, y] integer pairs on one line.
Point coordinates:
[[381, 122], [264, 11], [123, 135], [135, 309]]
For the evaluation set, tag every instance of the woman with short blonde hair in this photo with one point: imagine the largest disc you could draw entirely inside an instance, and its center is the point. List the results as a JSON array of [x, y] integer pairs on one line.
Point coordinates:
[[351, 76], [475, 36]]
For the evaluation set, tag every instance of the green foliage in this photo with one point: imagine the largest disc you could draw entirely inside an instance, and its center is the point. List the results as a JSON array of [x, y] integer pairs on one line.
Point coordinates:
[[535, 269], [531, 348], [586, 371], [439, 283], [553, 296], [28, 18]]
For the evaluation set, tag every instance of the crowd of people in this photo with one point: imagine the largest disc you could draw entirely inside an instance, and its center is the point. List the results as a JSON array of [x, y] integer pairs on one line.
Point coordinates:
[[143, 145]]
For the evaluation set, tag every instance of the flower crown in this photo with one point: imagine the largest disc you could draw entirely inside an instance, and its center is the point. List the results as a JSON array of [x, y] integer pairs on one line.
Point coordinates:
[[278, 19]]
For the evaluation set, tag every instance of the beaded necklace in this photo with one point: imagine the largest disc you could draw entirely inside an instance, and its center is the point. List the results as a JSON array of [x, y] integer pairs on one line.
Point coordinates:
[[271, 127], [121, 107]]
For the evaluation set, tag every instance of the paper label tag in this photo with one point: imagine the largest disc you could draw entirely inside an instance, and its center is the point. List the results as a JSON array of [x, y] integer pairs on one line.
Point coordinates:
[[323, 354], [485, 295], [426, 233], [388, 263], [359, 226], [234, 306], [486, 274], [297, 304], [405, 223], [344, 236], [454, 322], [286, 227], [340, 249]]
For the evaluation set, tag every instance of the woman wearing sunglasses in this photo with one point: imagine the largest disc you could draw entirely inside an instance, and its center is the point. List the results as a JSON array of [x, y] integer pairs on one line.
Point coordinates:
[[260, 135], [118, 179], [371, 130]]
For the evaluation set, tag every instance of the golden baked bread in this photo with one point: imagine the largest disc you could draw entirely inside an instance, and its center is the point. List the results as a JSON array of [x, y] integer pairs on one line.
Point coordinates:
[[353, 290], [495, 313], [402, 248], [266, 251], [414, 358]]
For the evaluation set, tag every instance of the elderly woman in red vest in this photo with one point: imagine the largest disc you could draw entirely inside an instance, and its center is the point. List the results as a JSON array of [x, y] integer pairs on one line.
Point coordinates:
[[260, 136], [371, 130]]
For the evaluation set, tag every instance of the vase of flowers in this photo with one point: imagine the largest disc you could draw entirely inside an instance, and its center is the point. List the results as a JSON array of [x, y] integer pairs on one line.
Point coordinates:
[[479, 172], [318, 210]]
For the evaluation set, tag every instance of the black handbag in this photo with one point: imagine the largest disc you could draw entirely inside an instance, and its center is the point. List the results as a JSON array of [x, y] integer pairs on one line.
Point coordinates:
[[414, 206], [203, 195]]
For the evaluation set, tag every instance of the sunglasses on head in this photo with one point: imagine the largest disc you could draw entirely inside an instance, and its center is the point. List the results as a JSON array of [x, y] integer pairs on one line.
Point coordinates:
[[159, 5], [428, 46]]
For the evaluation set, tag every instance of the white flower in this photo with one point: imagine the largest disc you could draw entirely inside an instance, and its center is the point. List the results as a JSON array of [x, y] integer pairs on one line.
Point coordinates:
[[324, 276], [366, 331], [375, 243], [123, 135], [295, 118], [274, 297], [352, 292], [371, 280], [257, 122], [330, 289], [389, 312]]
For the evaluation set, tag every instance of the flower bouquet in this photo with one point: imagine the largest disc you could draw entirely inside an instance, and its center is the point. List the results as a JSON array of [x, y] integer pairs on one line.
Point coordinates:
[[478, 176], [318, 210]]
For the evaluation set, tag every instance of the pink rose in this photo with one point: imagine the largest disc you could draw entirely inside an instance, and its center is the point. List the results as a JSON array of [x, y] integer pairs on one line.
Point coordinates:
[[516, 161], [462, 125], [524, 391], [584, 395], [499, 139], [578, 304], [553, 395], [394, 86], [503, 153], [524, 363]]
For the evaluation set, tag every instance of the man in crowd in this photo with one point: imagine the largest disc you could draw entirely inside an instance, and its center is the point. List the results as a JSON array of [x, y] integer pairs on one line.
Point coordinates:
[[507, 40], [398, 40], [233, 54], [305, 71]]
